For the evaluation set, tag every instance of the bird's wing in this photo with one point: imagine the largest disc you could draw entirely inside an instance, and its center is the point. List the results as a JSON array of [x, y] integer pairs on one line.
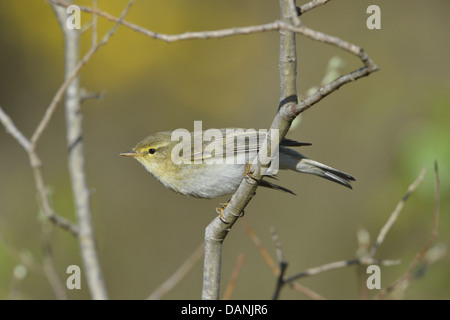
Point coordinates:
[[231, 142]]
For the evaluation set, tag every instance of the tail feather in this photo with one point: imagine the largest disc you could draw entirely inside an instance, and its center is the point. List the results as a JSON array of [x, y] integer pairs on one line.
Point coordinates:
[[316, 168], [267, 184], [291, 159]]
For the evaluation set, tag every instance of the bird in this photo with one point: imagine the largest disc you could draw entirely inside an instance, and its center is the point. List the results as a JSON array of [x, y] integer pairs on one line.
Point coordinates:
[[202, 167]]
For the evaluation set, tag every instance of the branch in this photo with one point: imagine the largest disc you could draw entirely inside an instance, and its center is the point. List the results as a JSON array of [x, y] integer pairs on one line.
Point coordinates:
[[311, 5], [395, 213], [76, 166], [217, 230], [29, 145], [288, 110], [49, 267], [73, 73], [12, 130], [35, 164], [201, 35], [340, 264], [326, 267], [368, 258], [271, 264], [178, 275], [294, 24], [262, 251], [283, 265], [409, 272], [234, 276]]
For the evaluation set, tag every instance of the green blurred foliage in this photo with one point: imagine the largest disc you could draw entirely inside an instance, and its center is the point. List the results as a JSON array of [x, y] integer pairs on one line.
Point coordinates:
[[382, 129]]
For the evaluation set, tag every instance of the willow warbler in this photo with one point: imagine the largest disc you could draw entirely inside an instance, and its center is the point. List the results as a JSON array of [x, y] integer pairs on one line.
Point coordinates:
[[203, 167]]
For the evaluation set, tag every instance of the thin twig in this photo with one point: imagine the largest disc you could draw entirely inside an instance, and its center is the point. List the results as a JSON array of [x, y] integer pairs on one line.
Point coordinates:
[[332, 40], [417, 259], [73, 75], [281, 280], [294, 13], [281, 261], [363, 243], [47, 208], [295, 26], [47, 268], [94, 24], [178, 275], [217, 230], [269, 261], [22, 257], [341, 264], [50, 268], [201, 35], [81, 193], [305, 291], [35, 164], [278, 248], [234, 276], [12, 130], [311, 5], [395, 213]]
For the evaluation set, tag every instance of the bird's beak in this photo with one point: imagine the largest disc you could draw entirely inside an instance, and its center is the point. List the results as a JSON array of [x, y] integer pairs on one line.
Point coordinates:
[[131, 153]]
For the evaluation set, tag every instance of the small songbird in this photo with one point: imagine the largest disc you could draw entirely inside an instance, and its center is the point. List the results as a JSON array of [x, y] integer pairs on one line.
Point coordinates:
[[210, 168]]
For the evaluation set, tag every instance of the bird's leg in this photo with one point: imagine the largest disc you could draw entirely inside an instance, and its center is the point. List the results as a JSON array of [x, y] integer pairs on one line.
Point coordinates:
[[221, 209], [248, 172]]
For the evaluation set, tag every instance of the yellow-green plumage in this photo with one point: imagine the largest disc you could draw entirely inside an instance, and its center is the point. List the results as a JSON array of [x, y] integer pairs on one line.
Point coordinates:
[[201, 175]]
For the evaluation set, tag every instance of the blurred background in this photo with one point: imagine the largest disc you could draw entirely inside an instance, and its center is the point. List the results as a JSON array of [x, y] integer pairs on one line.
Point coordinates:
[[382, 129]]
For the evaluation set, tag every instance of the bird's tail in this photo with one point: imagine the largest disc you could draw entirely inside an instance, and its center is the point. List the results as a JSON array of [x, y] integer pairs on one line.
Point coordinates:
[[318, 169], [297, 162]]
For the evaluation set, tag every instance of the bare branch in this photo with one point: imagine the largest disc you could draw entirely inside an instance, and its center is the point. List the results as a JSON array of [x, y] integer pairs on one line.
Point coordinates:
[[178, 275], [217, 229], [12, 130], [367, 259], [234, 276], [282, 280], [29, 145], [405, 279], [47, 208], [202, 35], [281, 261], [341, 264], [35, 164], [396, 212], [72, 76], [50, 269], [363, 243], [262, 251], [76, 166], [306, 291], [94, 24], [26, 260], [287, 112], [294, 13], [311, 5], [289, 107], [270, 262]]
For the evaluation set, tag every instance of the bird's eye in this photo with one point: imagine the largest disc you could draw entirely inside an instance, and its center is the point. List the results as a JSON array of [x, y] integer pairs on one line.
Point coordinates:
[[151, 151]]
